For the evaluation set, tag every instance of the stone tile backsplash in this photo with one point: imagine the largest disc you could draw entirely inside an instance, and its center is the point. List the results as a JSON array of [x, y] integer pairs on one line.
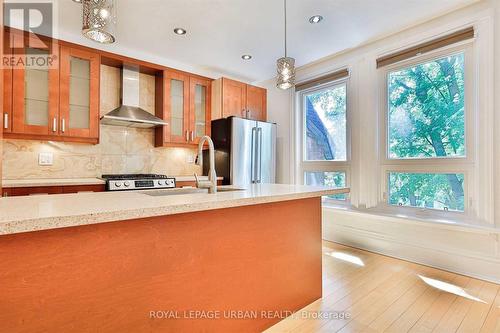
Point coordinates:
[[121, 150]]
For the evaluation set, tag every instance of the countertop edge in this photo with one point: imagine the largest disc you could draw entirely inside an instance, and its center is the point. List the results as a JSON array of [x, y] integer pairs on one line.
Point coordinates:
[[51, 223]]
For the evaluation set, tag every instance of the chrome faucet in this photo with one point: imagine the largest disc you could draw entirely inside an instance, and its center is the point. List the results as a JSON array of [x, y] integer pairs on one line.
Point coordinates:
[[211, 184]]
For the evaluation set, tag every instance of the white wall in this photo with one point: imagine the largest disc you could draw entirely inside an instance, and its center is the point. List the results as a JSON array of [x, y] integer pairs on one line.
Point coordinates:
[[497, 113], [415, 240]]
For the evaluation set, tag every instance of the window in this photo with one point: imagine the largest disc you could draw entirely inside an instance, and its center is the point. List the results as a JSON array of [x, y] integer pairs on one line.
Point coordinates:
[[324, 146], [334, 179], [427, 157], [427, 190], [426, 109], [325, 124]]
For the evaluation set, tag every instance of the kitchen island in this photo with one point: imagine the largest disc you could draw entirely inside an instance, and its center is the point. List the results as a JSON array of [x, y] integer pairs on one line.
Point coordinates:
[[235, 261]]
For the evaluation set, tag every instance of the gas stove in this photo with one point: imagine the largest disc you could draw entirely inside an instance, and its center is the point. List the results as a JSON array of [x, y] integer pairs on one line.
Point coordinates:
[[125, 182]]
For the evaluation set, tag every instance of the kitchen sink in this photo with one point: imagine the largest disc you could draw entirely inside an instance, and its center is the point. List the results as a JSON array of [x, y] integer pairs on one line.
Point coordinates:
[[228, 189], [190, 190]]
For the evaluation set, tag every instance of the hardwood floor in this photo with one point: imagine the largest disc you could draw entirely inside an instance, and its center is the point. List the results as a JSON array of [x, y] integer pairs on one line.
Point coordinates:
[[376, 293]]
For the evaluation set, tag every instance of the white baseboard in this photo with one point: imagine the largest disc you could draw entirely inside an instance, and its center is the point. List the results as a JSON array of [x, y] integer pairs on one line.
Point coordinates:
[[471, 252]]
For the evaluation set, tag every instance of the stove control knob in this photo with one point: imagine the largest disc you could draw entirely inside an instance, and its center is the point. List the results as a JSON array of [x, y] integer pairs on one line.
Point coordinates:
[[118, 184], [160, 182], [127, 184]]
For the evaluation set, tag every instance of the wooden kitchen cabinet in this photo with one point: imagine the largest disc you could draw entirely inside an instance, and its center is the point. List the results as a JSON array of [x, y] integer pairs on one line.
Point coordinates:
[[199, 108], [7, 101], [83, 188], [256, 103], [79, 93], [174, 109], [44, 190], [35, 93], [59, 102], [7, 92], [184, 103], [234, 98]]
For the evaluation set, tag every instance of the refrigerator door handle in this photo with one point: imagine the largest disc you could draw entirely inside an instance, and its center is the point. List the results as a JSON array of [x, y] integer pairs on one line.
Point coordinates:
[[252, 157], [259, 132]]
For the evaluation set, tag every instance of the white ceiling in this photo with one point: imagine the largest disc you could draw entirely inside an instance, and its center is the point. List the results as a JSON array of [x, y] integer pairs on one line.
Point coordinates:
[[220, 31]]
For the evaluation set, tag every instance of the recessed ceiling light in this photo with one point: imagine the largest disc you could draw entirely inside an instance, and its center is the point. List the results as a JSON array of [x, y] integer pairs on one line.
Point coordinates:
[[315, 19], [246, 57], [77, 1], [180, 31]]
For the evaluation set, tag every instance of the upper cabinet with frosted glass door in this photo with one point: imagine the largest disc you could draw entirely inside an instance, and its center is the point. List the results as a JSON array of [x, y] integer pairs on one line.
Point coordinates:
[[185, 106], [53, 94], [199, 110], [33, 105], [79, 93], [173, 107]]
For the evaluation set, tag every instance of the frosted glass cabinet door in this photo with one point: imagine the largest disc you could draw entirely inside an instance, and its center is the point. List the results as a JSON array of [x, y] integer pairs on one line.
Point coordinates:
[[177, 106], [79, 93], [199, 109], [35, 96], [200, 97], [176, 110]]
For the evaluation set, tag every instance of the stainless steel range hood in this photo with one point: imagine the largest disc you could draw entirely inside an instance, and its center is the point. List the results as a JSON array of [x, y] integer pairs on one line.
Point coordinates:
[[129, 114]]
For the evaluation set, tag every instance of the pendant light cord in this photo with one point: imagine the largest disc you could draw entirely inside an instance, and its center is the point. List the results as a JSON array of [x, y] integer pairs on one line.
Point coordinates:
[[284, 3]]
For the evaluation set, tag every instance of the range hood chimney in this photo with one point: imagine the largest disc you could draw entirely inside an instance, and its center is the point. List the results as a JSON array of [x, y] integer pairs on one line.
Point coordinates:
[[129, 114]]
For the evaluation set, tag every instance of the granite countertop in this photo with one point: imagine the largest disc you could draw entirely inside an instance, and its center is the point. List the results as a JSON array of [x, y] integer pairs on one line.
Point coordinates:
[[40, 182], [51, 182], [32, 213]]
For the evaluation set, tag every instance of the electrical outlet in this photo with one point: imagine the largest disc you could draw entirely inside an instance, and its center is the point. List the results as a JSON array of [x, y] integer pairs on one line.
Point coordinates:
[[190, 158], [45, 159]]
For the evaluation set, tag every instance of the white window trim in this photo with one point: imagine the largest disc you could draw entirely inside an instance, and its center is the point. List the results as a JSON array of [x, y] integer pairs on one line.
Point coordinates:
[[463, 165], [301, 166]]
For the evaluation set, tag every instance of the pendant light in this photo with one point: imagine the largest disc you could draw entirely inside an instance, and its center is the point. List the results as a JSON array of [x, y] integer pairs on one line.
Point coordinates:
[[285, 67], [99, 20]]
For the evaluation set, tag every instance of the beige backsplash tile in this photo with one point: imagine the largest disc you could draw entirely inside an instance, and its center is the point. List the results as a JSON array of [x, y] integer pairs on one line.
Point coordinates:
[[140, 142], [113, 140], [113, 164], [121, 150], [110, 89], [174, 159], [147, 92]]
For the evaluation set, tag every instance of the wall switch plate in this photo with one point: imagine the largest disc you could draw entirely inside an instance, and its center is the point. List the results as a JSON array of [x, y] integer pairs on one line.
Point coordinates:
[[45, 159]]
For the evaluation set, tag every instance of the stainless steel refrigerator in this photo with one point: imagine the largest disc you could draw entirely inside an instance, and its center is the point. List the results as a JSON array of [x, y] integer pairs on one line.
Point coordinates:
[[245, 151]]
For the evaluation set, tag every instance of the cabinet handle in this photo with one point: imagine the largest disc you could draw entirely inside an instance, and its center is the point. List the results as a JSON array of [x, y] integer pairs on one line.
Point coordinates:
[[187, 136], [63, 125], [192, 135], [54, 125], [6, 120]]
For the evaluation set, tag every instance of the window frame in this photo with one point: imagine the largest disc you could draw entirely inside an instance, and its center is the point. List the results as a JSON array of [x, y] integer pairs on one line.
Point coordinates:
[[452, 164], [304, 165]]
